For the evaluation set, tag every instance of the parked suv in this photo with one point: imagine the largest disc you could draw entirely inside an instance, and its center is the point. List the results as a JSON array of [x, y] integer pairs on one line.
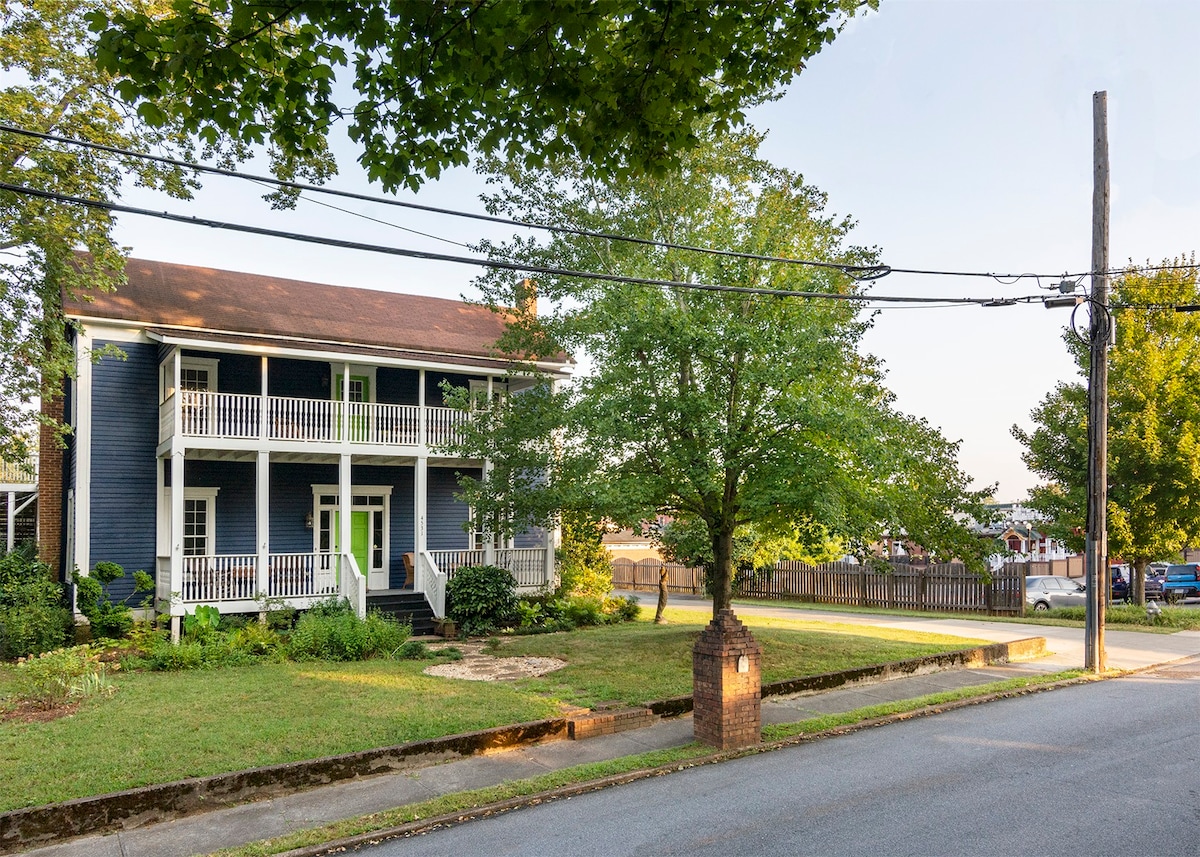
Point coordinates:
[[1182, 581]]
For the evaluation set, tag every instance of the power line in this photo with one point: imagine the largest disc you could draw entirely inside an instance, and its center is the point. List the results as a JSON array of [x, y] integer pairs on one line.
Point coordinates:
[[491, 263], [858, 272]]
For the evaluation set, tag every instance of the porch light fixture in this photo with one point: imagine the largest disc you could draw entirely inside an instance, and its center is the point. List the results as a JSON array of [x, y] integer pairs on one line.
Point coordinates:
[[308, 521]]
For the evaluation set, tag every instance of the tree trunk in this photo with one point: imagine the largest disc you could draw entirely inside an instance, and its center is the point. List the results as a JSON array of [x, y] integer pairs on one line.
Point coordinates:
[[662, 595], [722, 582], [1137, 581]]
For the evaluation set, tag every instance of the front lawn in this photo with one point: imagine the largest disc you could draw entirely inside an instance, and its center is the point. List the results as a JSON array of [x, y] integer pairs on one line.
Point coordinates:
[[640, 662], [160, 727]]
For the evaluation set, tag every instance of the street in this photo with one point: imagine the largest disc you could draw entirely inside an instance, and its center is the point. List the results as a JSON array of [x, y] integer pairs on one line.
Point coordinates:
[[1110, 768]]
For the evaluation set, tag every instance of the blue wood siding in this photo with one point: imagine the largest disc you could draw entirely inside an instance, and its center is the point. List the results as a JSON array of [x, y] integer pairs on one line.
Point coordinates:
[[124, 438], [236, 373], [433, 386], [234, 512], [397, 386], [291, 500], [447, 514], [301, 379]]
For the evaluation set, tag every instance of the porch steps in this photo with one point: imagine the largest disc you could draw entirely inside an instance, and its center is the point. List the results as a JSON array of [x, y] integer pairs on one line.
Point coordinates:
[[407, 606]]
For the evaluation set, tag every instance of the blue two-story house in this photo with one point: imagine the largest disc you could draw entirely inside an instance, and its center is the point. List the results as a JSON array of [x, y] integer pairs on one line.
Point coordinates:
[[267, 438]]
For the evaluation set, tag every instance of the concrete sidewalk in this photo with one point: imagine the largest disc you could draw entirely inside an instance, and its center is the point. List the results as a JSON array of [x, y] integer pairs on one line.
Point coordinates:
[[201, 834]]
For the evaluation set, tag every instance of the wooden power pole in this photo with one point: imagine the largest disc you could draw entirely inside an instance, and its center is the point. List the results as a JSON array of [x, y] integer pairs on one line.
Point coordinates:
[[1101, 329]]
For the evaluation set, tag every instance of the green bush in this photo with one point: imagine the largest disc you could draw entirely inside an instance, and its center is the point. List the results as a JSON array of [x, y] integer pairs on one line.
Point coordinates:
[[481, 598], [584, 612], [621, 609], [33, 616], [584, 564], [109, 619], [61, 676], [338, 635]]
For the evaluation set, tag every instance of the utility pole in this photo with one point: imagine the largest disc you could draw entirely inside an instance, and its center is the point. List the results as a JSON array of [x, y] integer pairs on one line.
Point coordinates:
[[1101, 327]]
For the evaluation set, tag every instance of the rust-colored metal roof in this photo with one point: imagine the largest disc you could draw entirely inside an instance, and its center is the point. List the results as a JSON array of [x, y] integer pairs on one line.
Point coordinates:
[[182, 296]]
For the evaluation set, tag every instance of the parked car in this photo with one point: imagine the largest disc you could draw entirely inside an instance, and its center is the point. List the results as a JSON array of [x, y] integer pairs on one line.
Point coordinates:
[[1156, 573], [1182, 581], [1120, 583], [1046, 591]]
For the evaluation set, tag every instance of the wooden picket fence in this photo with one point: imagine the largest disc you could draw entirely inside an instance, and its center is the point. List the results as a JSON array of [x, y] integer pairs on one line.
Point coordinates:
[[945, 586]]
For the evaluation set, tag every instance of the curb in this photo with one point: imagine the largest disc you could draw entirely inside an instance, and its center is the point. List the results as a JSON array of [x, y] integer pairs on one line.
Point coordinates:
[[450, 819], [132, 808]]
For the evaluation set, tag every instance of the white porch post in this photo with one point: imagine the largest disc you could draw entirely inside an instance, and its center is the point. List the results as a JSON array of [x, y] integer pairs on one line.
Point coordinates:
[[83, 453], [344, 511], [176, 537], [262, 521], [264, 405], [420, 515], [344, 505], [12, 520], [489, 538]]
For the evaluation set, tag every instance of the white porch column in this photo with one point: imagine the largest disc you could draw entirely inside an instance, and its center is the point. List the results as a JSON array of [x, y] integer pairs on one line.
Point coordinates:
[[420, 517], [423, 420], [176, 537], [344, 505], [83, 454], [262, 521], [12, 520], [489, 538], [264, 406]]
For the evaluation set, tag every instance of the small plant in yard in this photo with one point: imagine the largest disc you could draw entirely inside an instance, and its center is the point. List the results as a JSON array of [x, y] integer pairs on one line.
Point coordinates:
[[481, 598], [62, 676]]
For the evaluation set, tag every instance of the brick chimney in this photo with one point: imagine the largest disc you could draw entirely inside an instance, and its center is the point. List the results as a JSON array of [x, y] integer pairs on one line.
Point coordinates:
[[526, 295]]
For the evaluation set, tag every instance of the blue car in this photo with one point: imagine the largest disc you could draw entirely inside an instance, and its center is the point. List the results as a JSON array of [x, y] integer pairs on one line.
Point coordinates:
[[1182, 581]]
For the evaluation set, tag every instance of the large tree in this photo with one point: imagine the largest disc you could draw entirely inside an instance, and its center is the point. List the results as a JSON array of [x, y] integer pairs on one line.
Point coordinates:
[[53, 87], [620, 84], [720, 408], [1153, 426]]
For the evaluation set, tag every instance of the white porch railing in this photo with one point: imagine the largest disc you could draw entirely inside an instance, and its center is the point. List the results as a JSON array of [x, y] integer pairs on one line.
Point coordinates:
[[295, 577], [432, 582], [19, 472], [352, 585], [216, 578], [235, 415], [528, 566]]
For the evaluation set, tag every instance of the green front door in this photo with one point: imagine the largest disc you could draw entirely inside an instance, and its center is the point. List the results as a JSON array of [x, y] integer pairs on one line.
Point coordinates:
[[360, 538], [360, 393]]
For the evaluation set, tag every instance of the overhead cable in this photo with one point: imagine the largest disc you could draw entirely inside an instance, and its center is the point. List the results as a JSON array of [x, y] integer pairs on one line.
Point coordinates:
[[104, 205]]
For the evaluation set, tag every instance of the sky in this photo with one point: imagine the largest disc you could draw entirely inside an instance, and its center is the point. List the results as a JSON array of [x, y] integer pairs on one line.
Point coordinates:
[[957, 133]]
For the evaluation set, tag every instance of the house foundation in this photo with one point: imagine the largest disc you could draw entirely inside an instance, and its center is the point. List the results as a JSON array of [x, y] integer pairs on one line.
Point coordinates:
[[727, 684]]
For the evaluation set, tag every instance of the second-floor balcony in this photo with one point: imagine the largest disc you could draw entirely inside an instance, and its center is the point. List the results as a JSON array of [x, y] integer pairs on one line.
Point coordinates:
[[278, 418]]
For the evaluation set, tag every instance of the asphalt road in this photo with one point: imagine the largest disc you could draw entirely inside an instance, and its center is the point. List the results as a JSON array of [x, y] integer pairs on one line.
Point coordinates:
[[1110, 768]]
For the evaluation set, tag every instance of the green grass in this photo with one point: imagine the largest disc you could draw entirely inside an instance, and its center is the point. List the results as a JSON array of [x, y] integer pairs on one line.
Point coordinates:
[[640, 662], [1120, 617], [461, 802], [161, 727]]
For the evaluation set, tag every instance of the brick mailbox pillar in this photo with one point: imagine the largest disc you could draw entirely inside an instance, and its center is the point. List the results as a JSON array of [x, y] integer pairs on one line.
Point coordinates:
[[727, 684]]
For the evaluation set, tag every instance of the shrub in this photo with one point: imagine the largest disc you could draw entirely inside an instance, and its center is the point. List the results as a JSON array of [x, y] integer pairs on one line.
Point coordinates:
[[584, 612], [622, 609], [584, 564], [109, 619], [33, 617], [61, 676], [481, 598], [339, 635], [414, 650]]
